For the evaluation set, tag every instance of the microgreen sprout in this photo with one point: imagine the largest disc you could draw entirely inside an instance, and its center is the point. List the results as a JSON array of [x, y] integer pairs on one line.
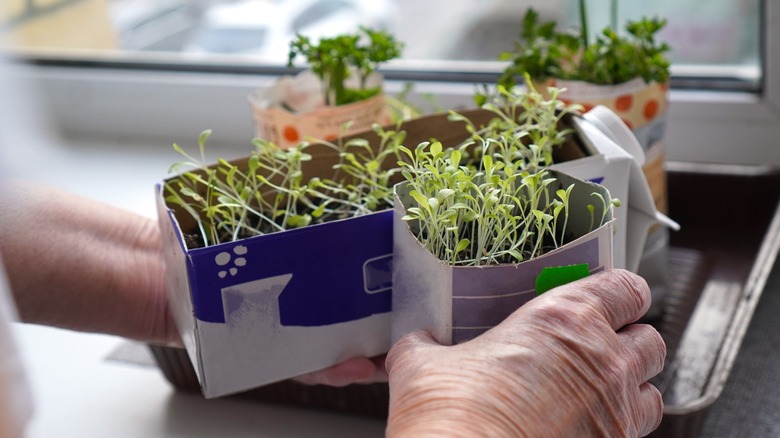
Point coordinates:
[[269, 191], [486, 214], [491, 199], [527, 127]]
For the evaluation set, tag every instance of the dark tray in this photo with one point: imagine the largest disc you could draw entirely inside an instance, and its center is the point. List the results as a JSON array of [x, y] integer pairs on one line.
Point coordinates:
[[718, 265], [721, 260]]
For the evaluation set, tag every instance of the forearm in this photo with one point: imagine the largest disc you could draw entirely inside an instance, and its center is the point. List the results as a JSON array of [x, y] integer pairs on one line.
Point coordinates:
[[80, 264]]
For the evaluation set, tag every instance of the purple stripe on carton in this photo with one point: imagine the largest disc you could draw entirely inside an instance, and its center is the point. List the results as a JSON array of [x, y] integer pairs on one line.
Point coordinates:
[[483, 297], [327, 266], [511, 279], [460, 335], [486, 311]]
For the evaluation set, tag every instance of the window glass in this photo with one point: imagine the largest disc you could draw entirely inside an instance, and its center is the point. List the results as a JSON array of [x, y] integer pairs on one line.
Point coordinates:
[[712, 34], [315, 12], [722, 32]]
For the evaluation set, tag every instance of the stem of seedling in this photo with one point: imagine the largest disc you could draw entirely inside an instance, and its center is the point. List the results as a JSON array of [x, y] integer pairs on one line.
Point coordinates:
[[584, 32], [271, 192]]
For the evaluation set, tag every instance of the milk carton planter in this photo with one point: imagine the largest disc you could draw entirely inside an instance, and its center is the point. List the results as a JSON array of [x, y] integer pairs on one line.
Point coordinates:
[[340, 94], [260, 309], [463, 260], [642, 108]]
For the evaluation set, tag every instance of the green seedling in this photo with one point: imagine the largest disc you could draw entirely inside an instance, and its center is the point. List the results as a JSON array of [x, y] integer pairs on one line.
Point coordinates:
[[490, 200], [270, 193], [527, 127], [478, 215]]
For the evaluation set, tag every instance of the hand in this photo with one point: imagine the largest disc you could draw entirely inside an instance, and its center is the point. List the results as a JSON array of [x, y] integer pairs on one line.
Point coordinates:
[[355, 370], [80, 264], [565, 364]]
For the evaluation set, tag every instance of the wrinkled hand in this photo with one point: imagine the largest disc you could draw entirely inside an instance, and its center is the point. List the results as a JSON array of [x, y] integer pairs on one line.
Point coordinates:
[[566, 364]]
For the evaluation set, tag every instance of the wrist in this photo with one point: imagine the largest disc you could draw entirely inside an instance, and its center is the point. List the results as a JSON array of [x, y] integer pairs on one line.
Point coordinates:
[[453, 406]]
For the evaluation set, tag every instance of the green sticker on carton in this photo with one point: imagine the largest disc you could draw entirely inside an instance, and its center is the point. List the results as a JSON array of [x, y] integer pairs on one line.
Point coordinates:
[[559, 275]]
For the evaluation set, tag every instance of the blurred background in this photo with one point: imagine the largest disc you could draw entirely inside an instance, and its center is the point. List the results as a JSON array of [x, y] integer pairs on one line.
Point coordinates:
[[118, 81], [715, 33], [166, 69]]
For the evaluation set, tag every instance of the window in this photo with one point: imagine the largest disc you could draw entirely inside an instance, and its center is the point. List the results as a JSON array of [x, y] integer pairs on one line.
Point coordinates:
[[317, 11], [174, 67]]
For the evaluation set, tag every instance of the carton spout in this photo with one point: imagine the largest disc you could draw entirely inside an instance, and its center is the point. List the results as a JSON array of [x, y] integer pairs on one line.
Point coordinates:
[[667, 221], [616, 130]]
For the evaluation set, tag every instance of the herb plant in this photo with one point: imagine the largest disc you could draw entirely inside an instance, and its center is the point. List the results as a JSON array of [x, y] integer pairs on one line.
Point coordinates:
[[613, 58], [334, 59]]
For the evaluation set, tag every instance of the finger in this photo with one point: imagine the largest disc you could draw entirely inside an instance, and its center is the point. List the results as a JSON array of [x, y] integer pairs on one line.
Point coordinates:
[[622, 297], [651, 409], [381, 371], [646, 350], [355, 370]]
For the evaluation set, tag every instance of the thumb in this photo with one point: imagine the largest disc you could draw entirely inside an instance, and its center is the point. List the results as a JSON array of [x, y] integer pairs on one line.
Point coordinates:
[[412, 344]]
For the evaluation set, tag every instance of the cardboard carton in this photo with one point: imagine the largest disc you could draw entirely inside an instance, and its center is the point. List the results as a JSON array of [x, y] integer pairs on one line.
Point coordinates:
[[458, 303], [614, 158], [269, 307], [642, 108]]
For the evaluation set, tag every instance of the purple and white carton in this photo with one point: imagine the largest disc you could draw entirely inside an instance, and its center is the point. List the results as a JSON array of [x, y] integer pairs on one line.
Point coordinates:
[[458, 303], [270, 307], [614, 159]]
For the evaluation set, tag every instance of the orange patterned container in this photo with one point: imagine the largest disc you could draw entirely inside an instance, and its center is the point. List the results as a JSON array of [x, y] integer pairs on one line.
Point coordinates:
[[293, 111], [642, 107]]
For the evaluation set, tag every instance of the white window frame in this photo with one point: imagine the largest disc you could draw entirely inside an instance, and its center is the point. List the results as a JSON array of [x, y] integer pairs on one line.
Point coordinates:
[[728, 127]]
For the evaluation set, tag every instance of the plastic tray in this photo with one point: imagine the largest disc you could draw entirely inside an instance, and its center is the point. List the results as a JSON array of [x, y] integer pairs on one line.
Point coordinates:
[[720, 259], [718, 264]]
